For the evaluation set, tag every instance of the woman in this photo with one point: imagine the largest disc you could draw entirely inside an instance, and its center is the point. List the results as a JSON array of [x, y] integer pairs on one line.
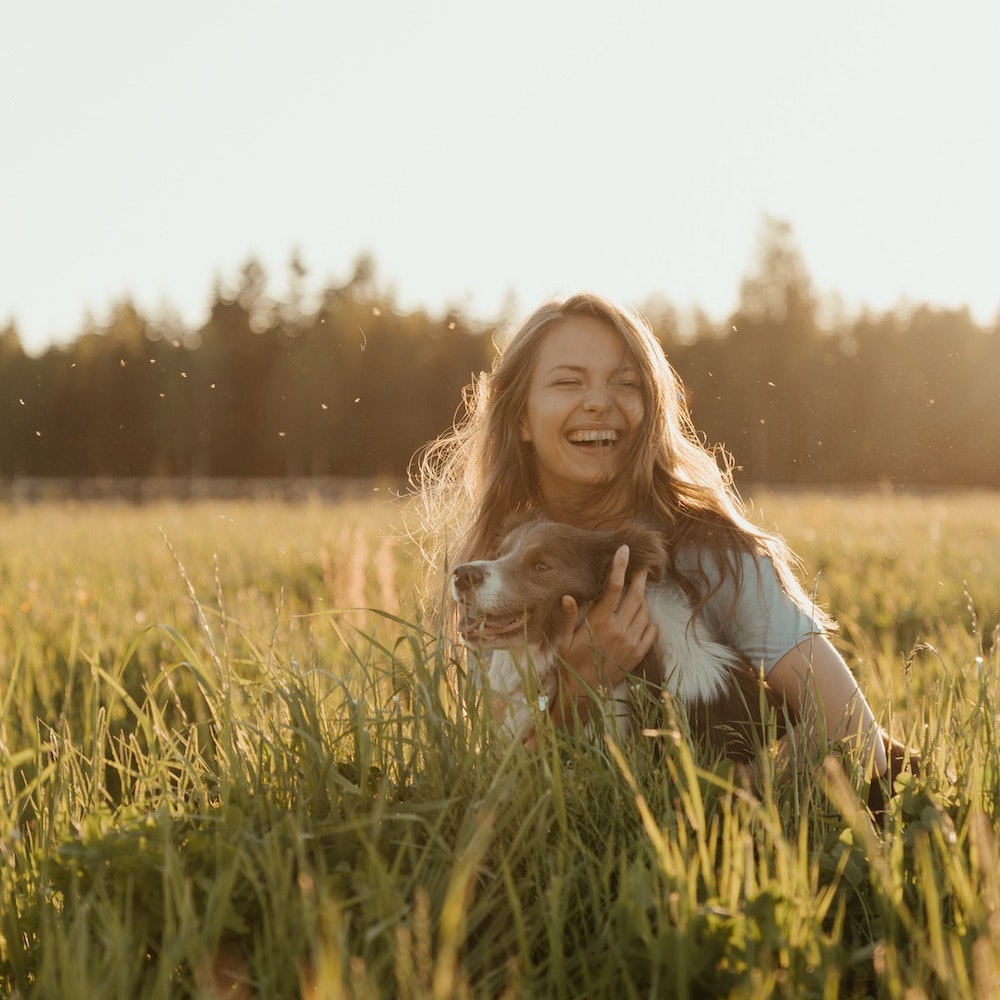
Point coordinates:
[[583, 420]]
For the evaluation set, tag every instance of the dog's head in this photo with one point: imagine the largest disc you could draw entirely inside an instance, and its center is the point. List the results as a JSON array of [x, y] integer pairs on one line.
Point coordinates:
[[515, 599]]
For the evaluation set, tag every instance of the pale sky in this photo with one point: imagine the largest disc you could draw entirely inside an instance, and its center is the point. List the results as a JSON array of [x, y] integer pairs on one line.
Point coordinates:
[[476, 150]]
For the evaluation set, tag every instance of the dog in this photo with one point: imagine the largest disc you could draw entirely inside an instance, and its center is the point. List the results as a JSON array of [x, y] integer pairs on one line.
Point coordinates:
[[509, 607]]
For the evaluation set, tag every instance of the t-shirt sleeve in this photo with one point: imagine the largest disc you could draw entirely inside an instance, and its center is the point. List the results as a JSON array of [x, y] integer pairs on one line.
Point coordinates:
[[765, 622]]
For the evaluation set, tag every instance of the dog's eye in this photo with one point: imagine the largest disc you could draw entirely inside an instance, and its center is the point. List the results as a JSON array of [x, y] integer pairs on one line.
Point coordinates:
[[541, 567]]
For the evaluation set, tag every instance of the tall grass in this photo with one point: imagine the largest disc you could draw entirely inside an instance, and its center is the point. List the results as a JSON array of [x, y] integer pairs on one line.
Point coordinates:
[[220, 778]]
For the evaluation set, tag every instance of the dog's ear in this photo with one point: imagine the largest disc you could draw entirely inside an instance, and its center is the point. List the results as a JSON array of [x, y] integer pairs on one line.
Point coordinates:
[[511, 520], [514, 519], [647, 551]]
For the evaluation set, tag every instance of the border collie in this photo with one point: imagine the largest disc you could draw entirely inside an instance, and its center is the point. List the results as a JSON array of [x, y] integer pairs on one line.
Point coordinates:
[[510, 608]]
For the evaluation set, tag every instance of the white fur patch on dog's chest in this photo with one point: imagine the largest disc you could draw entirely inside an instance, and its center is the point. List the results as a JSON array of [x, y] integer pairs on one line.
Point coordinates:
[[520, 684]]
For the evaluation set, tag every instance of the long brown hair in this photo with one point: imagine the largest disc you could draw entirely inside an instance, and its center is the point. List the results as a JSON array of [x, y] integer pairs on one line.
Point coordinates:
[[472, 478]]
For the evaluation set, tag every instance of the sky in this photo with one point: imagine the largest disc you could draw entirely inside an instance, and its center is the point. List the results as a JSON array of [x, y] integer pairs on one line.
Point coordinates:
[[491, 155]]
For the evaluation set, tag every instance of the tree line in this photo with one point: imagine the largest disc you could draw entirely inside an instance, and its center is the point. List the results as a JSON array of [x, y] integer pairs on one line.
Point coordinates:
[[353, 386]]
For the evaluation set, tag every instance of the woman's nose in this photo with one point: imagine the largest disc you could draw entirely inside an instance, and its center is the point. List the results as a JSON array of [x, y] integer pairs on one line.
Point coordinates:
[[598, 398]]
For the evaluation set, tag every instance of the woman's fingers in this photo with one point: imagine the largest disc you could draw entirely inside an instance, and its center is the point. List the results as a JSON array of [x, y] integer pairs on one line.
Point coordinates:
[[612, 595], [618, 627]]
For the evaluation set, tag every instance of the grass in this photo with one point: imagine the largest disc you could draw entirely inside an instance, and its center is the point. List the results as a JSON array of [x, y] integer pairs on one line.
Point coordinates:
[[221, 779]]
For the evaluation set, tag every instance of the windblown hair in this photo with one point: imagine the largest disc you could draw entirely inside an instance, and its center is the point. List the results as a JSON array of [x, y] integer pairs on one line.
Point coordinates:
[[471, 479]]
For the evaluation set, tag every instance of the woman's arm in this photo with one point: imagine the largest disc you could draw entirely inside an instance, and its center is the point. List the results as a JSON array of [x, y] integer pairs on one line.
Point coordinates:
[[816, 683]]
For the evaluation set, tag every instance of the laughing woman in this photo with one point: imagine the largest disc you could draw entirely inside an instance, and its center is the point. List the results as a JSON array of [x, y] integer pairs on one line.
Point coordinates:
[[582, 420]]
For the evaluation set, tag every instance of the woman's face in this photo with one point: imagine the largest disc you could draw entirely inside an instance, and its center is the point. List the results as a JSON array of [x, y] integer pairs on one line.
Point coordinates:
[[583, 409]]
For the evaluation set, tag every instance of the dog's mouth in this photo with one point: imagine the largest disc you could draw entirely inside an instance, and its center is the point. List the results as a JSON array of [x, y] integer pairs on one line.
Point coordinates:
[[480, 629], [605, 437]]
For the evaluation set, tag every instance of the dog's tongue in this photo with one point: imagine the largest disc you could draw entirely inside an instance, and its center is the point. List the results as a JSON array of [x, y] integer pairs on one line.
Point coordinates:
[[490, 626]]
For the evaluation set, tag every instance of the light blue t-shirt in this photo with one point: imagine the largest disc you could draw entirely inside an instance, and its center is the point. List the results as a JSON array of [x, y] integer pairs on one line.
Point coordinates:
[[765, 622]]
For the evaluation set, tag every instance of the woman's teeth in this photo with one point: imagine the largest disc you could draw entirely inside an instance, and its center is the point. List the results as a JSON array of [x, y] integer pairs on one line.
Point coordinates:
[[596, 438]]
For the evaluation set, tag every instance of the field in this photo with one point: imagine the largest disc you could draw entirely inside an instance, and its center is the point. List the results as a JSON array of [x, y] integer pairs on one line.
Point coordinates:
[[223, 777]]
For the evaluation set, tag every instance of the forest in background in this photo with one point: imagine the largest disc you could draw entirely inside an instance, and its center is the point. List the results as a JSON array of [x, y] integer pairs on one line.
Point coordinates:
[[345, 384]]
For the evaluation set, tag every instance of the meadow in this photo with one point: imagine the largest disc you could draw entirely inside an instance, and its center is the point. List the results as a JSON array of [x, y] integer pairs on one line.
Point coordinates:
[[237, 760]]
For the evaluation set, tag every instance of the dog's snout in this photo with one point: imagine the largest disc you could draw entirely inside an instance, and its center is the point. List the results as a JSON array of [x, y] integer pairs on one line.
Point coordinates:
[[467, 576]]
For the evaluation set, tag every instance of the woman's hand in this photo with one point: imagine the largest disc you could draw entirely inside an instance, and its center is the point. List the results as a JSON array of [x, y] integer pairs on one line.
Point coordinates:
[[607, 646]]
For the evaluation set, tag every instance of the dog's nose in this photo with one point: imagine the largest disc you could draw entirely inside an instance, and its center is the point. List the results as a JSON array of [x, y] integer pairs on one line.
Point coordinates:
[[467, 576]]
